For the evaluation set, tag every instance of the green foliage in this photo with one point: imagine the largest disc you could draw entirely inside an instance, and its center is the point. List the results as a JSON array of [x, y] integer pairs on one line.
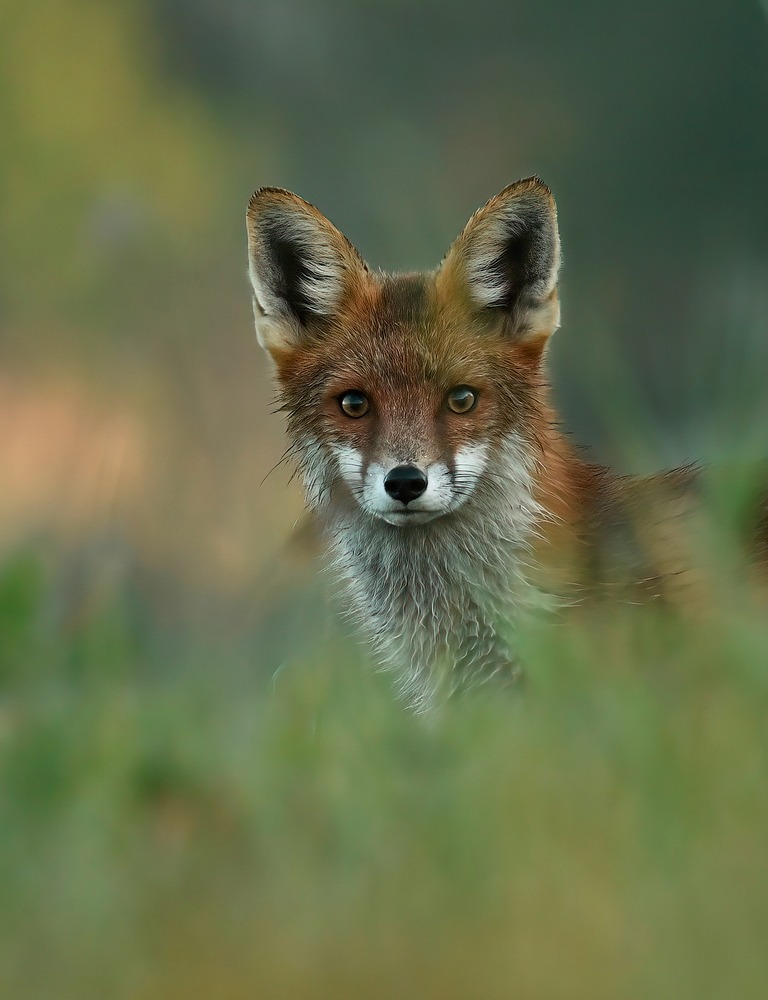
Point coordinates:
[[182, 827], [21, 587], [101, 155], [187, 811]]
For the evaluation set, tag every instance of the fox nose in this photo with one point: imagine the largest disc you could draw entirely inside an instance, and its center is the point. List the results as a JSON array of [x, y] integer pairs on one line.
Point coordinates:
[[405, 483]]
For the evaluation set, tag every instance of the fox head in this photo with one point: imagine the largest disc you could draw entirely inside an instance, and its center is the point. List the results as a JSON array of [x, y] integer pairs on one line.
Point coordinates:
[[404, 391]]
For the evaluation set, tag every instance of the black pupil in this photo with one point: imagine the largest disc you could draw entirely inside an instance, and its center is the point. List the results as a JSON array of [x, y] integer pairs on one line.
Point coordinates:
[[463, 398], [354, 402]]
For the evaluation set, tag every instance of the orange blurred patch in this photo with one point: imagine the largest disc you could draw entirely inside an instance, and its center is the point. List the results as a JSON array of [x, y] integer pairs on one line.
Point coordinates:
[[66, 463]]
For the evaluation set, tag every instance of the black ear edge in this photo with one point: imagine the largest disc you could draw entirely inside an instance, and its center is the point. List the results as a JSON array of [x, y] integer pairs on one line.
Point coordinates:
[[299, 263], [531, 183], [281, 198], [275, 194], [510, 248]]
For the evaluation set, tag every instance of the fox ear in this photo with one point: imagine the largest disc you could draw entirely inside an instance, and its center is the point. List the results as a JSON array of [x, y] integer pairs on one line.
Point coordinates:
[[301, 268], [507, 259]]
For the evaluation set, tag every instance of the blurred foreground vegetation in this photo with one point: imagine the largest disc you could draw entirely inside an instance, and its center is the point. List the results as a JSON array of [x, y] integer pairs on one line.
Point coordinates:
[[204, 791], [181, 815]]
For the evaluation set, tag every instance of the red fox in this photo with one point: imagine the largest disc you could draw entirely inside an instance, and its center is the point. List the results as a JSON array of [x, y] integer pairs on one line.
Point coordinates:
[[418, 415]]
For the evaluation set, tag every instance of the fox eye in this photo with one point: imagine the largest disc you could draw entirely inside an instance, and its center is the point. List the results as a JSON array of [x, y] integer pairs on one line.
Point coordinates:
[[354, 404], [462, 399]]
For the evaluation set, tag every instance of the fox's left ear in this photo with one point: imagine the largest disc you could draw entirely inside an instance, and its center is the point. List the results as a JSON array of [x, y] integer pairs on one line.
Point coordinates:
[[301, 267], [506, 260]]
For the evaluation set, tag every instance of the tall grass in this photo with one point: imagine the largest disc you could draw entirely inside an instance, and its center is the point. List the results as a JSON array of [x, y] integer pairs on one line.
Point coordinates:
[[179, 819]]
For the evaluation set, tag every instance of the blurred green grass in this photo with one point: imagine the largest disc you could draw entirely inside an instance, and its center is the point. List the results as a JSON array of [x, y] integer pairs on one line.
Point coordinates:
[[180, 818], [204, 791]]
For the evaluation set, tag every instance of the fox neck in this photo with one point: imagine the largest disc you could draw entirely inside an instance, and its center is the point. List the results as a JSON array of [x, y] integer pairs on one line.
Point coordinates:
[[436, 601]]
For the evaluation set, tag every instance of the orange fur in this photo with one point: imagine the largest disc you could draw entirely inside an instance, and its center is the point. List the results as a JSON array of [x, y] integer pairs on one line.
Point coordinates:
[[506, 501]]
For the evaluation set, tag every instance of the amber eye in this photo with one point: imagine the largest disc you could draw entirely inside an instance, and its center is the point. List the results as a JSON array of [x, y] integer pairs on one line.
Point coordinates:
[[354, 404], [462, 399]]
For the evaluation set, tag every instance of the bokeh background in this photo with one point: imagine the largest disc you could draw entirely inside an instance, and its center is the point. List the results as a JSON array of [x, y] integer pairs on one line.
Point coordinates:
[[155, 771]]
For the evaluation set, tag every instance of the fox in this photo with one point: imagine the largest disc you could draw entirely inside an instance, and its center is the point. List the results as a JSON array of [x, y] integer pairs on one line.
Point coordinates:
[[419, 418]]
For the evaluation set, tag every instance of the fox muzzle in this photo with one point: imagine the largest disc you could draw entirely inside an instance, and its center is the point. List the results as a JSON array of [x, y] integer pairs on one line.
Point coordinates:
[[405, 483]]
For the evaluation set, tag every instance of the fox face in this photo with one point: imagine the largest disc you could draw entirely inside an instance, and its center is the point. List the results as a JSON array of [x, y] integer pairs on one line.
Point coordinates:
[[407, 394], [418, 415]]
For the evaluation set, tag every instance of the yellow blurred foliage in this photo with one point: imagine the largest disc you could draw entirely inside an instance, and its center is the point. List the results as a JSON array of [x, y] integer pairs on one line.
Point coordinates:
[[120, 310], [97, 144]]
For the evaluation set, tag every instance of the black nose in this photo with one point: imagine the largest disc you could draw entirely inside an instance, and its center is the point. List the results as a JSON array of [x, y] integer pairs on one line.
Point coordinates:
[[405, 483]]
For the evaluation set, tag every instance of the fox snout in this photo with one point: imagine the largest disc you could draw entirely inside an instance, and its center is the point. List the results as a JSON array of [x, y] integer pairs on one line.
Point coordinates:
[[410, 494], [405, 483]]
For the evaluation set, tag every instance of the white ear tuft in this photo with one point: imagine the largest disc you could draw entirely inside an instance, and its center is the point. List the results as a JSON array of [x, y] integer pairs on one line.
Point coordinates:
[[301, 267]]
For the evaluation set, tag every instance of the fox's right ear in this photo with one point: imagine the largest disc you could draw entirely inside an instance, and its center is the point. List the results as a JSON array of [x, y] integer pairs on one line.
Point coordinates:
[[301, 268]]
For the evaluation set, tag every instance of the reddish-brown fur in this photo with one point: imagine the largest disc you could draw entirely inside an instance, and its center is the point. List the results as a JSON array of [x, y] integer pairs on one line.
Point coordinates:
[[481, 320], [393, 339]]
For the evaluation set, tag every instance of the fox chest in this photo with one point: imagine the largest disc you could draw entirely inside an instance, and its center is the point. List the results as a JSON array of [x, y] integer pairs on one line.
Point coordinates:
[[437, 614]]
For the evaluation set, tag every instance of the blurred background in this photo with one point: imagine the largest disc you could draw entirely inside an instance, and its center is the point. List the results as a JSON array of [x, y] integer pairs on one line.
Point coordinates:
[[134, 401], [139, 528]]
